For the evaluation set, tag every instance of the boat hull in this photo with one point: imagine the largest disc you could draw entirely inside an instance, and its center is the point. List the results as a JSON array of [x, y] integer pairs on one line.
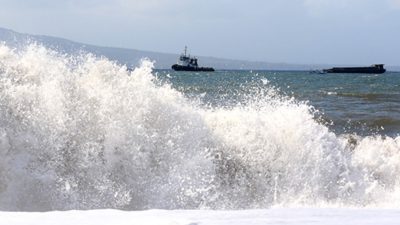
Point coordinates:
[[177, 67], [368, 70]]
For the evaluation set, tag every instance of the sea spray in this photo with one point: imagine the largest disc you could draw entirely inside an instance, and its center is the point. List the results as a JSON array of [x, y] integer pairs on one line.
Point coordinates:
[[82, 132]]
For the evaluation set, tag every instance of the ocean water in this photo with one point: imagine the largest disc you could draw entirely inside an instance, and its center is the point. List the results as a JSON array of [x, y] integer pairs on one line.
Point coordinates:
[[82, 132], [362, 104]]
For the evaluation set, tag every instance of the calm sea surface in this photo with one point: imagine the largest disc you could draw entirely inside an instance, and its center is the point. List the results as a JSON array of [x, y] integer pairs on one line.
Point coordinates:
[[364, 104]]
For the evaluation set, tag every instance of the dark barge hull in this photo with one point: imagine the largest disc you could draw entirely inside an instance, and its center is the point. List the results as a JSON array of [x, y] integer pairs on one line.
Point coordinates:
[[177, 67], [376, 69]]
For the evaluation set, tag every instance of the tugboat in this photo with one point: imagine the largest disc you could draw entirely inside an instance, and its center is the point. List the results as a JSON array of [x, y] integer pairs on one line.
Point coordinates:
[[374, 69], [187, 63]]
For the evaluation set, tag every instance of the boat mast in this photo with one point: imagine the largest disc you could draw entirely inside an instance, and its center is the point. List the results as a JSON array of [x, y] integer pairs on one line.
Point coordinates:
[[185, 49]]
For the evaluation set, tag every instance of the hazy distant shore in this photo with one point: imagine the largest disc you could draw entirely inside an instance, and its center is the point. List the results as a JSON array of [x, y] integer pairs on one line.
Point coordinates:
[[132, 57]]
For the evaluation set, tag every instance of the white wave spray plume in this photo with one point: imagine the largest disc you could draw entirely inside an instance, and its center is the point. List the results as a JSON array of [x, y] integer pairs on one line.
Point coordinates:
[[82, 132]]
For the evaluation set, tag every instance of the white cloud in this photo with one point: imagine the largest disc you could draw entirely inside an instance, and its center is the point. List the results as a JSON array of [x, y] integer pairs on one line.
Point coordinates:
[[318, 6], [363, 10], [143, 5], [324, 4], [394, 3]]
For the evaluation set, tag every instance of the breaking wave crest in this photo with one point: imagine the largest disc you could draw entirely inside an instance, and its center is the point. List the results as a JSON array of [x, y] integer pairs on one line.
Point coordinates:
[[82, 132]]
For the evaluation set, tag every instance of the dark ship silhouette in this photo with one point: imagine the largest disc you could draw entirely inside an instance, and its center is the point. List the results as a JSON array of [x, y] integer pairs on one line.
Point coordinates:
[[374, 69], [187, 63]]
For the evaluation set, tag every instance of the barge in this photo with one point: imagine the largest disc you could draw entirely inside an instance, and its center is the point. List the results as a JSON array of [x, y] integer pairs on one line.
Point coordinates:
[[374, 69]]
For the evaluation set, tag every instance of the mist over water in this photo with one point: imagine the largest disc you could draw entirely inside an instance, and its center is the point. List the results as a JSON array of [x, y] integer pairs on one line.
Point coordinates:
[[82, 132]]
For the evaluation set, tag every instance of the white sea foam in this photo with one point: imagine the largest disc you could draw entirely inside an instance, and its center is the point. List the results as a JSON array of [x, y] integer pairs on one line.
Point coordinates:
[[282, 216], [80, 132]]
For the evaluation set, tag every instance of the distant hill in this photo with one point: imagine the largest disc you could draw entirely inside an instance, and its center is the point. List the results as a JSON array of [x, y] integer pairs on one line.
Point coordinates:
[[131, 57]]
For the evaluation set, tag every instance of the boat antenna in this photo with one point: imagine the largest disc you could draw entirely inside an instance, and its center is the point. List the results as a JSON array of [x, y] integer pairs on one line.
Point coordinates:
[[185, 49]]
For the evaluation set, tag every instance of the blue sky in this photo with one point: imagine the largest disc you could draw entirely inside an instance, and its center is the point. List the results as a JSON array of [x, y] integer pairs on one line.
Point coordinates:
[[292, 31]]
